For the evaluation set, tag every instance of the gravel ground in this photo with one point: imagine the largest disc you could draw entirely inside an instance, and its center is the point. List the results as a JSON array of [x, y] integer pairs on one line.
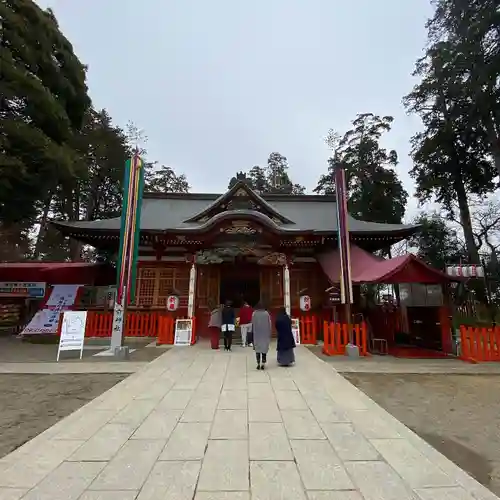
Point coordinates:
[[14, 350], [457, 414], [32, 403]]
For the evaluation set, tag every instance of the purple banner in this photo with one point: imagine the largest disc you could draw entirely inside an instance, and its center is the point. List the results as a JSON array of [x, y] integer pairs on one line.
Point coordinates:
[[343, 237]]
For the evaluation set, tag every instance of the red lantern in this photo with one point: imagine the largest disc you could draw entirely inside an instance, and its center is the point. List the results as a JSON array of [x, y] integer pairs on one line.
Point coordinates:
[[172, 303]]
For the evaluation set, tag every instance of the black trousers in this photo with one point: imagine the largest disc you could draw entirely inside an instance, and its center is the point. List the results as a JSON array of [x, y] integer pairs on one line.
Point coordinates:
[[258, 355], [228, 340]]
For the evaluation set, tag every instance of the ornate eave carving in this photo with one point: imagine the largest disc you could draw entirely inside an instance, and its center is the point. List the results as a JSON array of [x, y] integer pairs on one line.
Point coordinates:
[[240, 227]]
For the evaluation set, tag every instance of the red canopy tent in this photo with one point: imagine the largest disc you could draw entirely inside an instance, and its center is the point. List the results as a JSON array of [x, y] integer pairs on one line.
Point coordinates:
[[61, 273], [368, 268]]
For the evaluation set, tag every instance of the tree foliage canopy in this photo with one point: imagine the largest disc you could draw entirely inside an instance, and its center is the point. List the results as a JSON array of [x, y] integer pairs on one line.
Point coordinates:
[[437, 243], [59, 157], [43, 103], [375, 192], [457, 100], [271, 179]]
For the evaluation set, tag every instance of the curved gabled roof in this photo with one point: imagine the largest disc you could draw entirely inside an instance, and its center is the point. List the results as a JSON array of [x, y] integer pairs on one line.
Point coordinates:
[[285, 214], [235, 191]]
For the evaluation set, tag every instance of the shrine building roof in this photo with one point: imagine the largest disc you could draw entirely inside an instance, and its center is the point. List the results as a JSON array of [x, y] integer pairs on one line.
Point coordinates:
[[192, 213]]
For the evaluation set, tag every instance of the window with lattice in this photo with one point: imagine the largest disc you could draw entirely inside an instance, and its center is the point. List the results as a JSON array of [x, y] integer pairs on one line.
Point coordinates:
[[146, 290], [155, 284]]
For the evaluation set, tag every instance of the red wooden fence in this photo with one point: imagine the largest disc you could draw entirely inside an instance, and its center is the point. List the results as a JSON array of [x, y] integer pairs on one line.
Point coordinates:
[[479, 343], [336, 337], [137, 324], [308, 330]]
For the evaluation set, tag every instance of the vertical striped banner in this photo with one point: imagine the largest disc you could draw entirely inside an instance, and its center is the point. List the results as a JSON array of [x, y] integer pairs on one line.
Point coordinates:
[[133, 187], [346, 295]]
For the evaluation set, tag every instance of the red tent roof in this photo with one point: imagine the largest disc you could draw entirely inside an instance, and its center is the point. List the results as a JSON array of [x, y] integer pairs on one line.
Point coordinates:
[[84, 273], [367, 268], [360, 260]]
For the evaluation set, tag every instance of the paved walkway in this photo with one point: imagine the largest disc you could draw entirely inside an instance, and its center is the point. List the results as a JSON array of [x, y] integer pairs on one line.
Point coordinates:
[[205, 425]]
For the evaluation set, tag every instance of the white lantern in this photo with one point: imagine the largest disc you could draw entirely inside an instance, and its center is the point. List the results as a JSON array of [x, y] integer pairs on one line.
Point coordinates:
[[305, 303], [480, 271], [172, 303]]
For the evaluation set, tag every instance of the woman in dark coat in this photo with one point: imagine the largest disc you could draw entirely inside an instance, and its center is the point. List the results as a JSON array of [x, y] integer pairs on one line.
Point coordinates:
[[286, 342], [228, 322]]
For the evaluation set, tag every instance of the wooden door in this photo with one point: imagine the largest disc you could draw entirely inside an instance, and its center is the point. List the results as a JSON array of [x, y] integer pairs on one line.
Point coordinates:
[[425, 327], [271, 286], [207, 289]]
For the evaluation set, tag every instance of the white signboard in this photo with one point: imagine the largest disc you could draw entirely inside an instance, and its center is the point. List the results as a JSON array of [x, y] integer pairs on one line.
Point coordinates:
[[62, 295], [46, 321], [72, 332], [43, 322], [296, 330], [183, 331]]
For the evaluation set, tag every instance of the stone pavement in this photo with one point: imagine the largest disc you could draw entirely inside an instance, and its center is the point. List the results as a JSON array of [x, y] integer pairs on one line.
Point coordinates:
[[206, 425]]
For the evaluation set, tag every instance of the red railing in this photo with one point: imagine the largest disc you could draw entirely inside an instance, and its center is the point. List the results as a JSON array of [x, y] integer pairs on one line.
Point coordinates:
[[308, 330], [479, 343], [137, 324], [336, 337], [166, 330]]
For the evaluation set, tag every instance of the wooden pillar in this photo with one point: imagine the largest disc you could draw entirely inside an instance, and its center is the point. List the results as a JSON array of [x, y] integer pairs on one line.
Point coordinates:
[[286, 288], [192, 289]]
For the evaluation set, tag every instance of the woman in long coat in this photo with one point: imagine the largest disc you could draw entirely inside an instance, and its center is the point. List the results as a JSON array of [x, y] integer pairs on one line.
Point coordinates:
[[214, 324], [286, 342], [261, 328]]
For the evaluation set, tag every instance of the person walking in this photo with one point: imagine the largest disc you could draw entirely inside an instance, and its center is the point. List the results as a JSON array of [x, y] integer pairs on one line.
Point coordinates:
[[228, 322], [286, 342], [214, 324], [246, 312], [261, 329]]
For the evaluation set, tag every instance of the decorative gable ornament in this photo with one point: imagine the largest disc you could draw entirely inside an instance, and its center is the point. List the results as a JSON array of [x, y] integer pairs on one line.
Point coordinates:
[[240, 197], [273, 259]]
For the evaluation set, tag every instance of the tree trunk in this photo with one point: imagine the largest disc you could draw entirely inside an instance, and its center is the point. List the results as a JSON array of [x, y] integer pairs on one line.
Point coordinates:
[[465, 220], [43, 227], [494, 140]]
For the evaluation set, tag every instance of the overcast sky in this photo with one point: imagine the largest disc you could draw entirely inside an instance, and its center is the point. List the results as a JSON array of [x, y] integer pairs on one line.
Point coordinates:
[[219, 84]]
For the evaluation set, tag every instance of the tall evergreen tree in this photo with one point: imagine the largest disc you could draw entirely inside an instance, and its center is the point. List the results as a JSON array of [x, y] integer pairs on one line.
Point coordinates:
[[258, 179], [451, 156], [375, 192], [165, 180], [471, 31], [272, 179], [278, 180], [43, 102]]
